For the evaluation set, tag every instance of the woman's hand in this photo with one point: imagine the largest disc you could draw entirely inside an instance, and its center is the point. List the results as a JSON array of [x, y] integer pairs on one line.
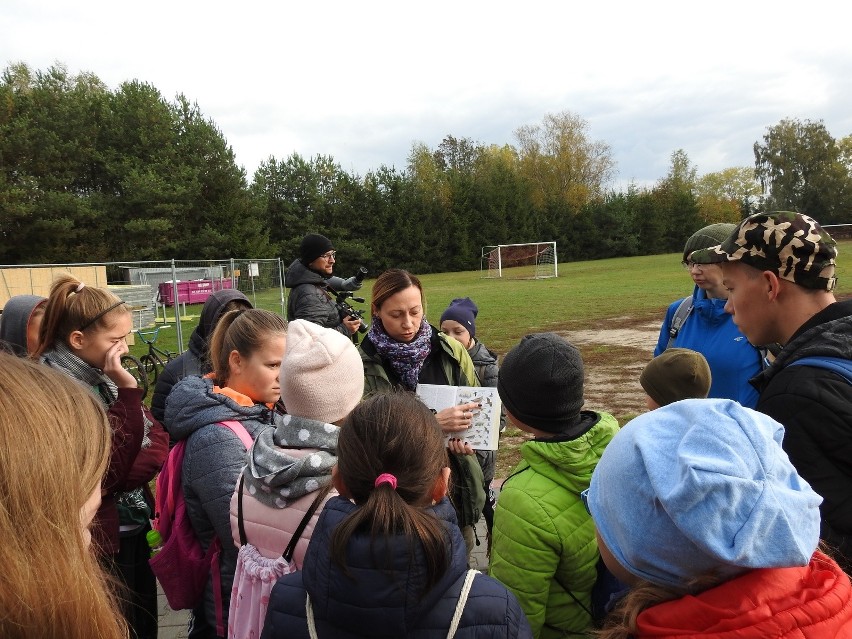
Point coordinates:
[[113, 368], [459, 447], [456, 418]]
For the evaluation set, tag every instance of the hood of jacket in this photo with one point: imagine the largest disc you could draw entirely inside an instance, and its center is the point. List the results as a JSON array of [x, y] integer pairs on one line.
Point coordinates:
[[807, 602], [291, 459], [195, 402], [569, 462], [826, 334], [210, 314], [482, 355], [395, 603], [711, 310], [14, 320], [298, 274]]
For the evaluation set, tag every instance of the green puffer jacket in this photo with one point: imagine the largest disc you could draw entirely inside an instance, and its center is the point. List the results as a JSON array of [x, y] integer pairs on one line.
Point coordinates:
[[543, 538], [455, 362]]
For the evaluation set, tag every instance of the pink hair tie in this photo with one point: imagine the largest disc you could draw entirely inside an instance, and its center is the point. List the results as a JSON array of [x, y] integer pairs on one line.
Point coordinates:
[[386, 478], [80, 287]]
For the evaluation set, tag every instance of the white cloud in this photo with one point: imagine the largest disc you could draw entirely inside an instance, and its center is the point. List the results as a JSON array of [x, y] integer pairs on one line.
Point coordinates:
[[363, 81]]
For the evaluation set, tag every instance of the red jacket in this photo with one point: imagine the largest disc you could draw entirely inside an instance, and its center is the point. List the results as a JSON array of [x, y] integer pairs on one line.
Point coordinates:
[[810, 602], [129, 465]]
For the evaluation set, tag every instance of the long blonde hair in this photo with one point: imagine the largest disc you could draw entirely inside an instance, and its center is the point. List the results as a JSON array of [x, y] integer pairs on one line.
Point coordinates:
[[54, 448]]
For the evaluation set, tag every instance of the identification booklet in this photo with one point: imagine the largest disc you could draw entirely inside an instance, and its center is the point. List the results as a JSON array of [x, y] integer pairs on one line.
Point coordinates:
[[484, 431]]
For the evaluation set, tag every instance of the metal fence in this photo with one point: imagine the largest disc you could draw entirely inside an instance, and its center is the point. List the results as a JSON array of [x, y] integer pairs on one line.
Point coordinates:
[[155, 289]]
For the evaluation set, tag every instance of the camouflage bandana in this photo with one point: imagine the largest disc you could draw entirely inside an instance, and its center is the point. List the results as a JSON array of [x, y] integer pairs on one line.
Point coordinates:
[[792, 245]]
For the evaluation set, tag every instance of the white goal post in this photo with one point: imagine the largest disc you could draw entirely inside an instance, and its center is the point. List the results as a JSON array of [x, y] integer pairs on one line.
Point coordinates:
[[533, 260]]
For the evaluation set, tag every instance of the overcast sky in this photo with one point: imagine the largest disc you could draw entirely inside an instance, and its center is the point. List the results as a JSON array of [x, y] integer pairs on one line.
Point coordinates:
[[363, 81]]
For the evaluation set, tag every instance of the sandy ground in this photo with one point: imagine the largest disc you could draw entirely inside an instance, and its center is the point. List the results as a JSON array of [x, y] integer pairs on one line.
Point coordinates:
[[614, 358]]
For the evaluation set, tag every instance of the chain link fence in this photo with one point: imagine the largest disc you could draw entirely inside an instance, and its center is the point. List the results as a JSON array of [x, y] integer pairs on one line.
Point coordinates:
[[158, 291]]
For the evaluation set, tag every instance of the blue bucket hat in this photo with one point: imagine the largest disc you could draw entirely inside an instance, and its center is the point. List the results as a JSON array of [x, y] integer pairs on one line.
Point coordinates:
[[698, 487]]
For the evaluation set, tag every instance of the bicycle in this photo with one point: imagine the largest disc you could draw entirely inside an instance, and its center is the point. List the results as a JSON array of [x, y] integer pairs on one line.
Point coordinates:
[[135, 368], [156, 358]]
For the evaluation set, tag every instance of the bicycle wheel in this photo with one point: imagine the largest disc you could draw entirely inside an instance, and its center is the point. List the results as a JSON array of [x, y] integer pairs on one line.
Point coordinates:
[[150, 365], [137, 369]]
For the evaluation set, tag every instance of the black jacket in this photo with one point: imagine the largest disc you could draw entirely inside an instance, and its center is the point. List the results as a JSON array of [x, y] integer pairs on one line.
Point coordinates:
[[815, 407], [311, 297]]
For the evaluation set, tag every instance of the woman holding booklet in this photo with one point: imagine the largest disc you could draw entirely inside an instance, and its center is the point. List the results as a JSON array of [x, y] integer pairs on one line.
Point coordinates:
[[402, 350]]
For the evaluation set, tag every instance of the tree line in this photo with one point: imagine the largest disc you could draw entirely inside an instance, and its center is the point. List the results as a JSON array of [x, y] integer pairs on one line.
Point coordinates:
[[93, 174]]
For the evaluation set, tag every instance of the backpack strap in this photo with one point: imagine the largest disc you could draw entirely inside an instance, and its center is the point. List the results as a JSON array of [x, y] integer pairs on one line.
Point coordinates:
[[297, 534], [240, 431], [465, 591], [682, 312], [839, 365]]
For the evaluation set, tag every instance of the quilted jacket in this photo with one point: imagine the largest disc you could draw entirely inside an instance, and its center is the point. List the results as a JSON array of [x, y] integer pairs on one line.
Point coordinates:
[[808, 602], [370, 602], [544, 539]]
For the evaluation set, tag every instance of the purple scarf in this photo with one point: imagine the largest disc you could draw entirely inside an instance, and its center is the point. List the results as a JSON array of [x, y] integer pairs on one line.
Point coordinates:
[[405, 359]]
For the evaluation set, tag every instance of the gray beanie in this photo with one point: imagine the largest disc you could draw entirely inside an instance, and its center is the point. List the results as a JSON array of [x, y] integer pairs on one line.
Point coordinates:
[[676, 374], [541, 382], [712, 235]]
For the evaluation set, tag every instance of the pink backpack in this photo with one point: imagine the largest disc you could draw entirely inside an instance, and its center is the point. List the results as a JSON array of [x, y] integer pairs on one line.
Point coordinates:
[[181, 566]]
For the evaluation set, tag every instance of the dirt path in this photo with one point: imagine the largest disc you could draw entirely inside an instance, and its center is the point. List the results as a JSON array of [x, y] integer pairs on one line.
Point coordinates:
[[614, 355]]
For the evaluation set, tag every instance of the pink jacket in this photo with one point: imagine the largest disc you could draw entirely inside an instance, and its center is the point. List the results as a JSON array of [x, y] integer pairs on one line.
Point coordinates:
[[270, 529]]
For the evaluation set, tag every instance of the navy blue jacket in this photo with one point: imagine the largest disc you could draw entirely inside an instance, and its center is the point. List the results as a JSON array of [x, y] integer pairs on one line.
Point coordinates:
[[372, 603]]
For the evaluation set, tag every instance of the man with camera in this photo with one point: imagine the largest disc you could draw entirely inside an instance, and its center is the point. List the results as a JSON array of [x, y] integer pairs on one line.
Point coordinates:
[[314, 288]]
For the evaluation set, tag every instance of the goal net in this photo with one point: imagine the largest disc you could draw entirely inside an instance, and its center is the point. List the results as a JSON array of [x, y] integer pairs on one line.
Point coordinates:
[[519, 261]]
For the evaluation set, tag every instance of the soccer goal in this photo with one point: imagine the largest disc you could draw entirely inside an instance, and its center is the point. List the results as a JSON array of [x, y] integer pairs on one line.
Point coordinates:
[[519, 261]]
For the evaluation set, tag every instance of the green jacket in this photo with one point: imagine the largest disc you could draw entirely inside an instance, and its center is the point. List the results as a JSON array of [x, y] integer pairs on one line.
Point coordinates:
[[455, 362], [543, 538]]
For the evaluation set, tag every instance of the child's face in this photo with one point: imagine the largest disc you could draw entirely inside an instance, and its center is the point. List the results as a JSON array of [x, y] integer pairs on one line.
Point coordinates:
[[256, 376], [97, 340], [33, 327], [650, 403], [456, 330]]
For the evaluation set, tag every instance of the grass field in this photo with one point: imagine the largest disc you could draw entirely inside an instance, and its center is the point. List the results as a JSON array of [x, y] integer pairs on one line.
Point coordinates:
[[587, 296], [584, 293]]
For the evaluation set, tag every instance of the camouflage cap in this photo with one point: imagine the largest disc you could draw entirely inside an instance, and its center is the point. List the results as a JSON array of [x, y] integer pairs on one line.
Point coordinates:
[[792, 245]]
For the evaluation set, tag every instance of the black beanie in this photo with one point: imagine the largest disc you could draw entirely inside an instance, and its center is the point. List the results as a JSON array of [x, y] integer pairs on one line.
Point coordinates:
[[541, 382], [313, 245]]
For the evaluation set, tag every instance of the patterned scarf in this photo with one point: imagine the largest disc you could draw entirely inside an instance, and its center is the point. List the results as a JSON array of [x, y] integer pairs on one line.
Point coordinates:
[[405, 359], [61, 357], [290, 460], [132, 507]]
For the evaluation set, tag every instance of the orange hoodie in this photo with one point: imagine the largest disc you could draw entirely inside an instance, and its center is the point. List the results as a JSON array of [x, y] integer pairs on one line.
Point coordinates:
[[810, 602]]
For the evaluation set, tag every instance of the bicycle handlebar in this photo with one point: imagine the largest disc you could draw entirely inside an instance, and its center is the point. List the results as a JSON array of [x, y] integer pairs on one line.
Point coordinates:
[[153, 333]]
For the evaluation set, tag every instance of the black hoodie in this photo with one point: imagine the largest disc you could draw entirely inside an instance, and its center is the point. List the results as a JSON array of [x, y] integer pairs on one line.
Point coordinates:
[[194, 360]]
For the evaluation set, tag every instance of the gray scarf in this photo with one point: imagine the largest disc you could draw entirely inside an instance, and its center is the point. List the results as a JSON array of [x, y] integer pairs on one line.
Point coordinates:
[[275, 476]]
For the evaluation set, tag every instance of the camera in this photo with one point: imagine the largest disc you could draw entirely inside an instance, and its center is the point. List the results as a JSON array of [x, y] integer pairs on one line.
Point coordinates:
[[346, 310], [360, 275]]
